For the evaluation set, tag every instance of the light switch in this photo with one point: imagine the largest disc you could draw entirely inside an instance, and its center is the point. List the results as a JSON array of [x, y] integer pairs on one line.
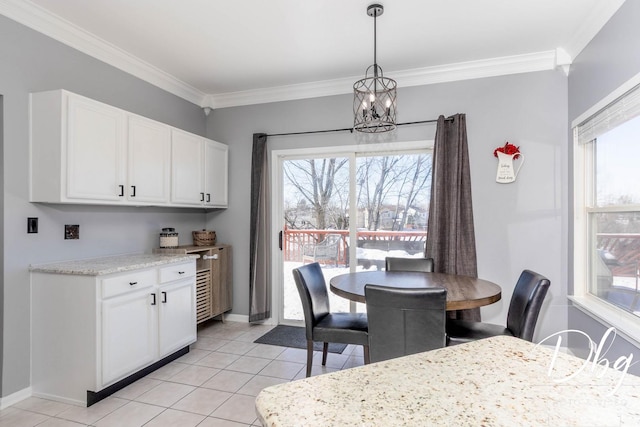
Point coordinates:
[[32, 225]]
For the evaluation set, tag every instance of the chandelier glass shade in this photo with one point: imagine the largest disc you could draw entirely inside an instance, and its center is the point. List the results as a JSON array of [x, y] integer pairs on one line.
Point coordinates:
[[374, 96]]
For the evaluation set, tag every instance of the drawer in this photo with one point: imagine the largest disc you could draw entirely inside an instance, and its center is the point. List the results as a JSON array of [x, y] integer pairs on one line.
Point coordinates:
[[127, 282], [177, 271]]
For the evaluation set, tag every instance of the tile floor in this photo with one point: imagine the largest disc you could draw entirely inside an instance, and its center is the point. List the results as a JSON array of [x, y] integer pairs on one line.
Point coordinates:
[[214, 385]]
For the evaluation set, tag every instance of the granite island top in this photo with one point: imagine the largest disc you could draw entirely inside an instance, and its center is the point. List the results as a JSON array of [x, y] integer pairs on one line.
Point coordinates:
[[501, 381], [110, 264]]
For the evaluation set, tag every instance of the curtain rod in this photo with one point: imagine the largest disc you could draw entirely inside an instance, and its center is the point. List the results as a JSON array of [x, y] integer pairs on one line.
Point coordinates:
[[351, 129]]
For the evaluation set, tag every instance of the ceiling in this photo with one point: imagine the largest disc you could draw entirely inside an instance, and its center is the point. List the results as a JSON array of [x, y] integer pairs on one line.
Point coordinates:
[[219, 53]]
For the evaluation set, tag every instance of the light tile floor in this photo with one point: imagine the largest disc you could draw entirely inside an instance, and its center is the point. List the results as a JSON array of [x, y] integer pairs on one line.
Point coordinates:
[[214, 385]]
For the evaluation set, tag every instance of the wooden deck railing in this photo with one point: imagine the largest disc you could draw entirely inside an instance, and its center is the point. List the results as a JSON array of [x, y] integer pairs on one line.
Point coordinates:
[[293, 241], [623, 247], [625, 251]]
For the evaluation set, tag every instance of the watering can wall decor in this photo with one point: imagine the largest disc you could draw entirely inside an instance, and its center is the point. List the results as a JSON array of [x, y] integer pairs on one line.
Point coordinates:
[[507, 172]]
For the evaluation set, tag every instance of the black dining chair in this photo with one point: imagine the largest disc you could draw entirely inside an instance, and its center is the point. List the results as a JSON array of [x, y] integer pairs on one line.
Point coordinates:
[[424, 265], [322, 325], [404, 321], [522, 317]]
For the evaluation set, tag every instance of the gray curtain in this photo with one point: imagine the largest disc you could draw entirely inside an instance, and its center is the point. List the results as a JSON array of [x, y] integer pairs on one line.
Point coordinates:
[[450, 233], [259, 286]]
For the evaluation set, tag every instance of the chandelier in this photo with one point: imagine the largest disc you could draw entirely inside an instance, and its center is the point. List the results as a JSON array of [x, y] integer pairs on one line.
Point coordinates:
[[374, 97]]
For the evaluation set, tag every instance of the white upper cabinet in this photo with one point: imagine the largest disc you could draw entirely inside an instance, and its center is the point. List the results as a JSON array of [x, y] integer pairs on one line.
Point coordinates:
[[95, 150], [187, 169], [216, 160], [149, 165], [199, 171], [83, 151]]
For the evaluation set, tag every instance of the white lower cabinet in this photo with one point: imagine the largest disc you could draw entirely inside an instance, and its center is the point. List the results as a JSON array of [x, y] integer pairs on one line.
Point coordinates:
[[176, 318], [129, 334], [90, 332]]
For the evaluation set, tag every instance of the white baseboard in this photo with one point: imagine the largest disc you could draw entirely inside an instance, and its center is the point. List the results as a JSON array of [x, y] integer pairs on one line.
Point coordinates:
[[14, 398], [236, 318], [245, 319], [60, 399]]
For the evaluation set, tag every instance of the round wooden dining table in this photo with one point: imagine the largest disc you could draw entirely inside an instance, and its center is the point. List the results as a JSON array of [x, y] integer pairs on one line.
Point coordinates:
[[463, 292]]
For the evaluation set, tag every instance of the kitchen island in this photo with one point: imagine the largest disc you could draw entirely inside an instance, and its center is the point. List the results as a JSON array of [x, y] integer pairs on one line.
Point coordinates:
[[501, 381]]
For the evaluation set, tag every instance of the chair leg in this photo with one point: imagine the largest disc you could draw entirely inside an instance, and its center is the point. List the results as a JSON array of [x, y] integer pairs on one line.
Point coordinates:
[[309, 357], [366, 354], [325, 350]]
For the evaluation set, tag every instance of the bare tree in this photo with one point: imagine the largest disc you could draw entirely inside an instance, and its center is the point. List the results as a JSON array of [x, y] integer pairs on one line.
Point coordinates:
[[404, 177], [318, 181], [421, 179]]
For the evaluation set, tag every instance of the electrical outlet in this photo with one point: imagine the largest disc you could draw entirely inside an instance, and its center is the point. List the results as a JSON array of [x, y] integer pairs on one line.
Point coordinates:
[[32, 225], [71, 232]]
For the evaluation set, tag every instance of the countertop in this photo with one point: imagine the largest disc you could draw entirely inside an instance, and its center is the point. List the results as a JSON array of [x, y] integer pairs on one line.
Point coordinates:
[[501, 381], [110, 264]]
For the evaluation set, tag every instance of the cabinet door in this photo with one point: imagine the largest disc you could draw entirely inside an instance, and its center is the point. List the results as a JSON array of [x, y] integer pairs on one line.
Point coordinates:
[[177, 316], [95, 151], [149, 158], [187, 169], [216, 173], [129, 333], [222, 297]]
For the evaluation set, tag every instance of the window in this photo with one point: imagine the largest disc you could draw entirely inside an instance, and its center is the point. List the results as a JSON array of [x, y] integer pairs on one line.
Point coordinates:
[[607, 213]]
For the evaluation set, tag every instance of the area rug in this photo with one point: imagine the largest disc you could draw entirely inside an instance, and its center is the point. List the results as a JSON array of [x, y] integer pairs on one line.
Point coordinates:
[[294, 336]]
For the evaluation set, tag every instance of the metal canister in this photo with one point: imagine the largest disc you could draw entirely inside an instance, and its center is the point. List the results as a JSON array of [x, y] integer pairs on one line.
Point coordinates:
[[168, 238]]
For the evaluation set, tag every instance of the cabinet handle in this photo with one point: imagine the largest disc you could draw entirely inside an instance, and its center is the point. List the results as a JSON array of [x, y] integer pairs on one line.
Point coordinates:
[[202, 197], [208, 197], [121, 190], [133, 283], [154, 299], [180, 272], [164, 297], [133, 187], [214, 256]]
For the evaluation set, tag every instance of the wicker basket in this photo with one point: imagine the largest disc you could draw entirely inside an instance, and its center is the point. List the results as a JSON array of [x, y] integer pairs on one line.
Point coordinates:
[[204, 238]]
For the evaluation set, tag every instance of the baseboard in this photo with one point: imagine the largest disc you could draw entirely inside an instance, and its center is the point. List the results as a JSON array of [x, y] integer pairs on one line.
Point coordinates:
[[60, 399], [236, 318], [245, 319], [14, 398]]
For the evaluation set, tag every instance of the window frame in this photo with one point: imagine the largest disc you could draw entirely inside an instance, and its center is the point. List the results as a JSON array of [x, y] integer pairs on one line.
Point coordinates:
[[626, 324]]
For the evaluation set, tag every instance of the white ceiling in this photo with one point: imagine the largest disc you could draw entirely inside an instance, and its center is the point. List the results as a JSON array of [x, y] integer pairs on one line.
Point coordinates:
[[220, 53]]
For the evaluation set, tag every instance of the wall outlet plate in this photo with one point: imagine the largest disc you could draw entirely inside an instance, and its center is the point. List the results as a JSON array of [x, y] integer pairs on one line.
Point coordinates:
[[71, 232]]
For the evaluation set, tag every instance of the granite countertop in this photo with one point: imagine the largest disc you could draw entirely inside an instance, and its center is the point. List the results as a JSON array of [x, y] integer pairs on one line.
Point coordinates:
[[501, 381], [110, 264]]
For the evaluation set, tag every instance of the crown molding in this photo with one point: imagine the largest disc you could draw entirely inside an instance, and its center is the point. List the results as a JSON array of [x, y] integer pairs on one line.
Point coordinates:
[[43, 21], [592, 24], [540, 61]]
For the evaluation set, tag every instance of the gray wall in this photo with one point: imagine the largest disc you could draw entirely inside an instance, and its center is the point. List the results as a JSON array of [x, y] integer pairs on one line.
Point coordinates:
[[518, 225], [609, 60], [31, 62]]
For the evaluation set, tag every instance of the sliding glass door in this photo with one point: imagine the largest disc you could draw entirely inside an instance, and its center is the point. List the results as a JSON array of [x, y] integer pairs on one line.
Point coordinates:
[[347, 211]]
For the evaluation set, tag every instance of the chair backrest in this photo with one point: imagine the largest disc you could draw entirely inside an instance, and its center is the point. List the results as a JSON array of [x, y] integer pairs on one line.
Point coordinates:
[[313, 293], [424, 265], [404, 321], [525, 304]]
